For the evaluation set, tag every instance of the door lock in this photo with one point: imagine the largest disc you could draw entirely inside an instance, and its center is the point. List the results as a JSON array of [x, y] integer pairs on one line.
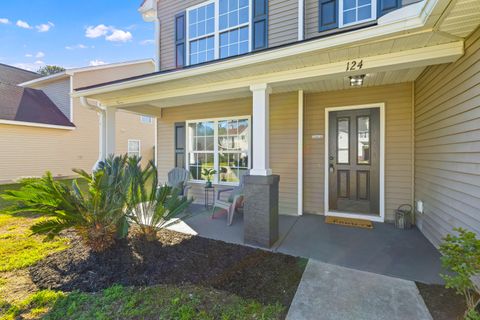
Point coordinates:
[[331, 168]]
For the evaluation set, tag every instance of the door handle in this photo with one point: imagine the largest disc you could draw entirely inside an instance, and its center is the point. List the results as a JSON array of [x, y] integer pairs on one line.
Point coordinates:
[[331, 168]]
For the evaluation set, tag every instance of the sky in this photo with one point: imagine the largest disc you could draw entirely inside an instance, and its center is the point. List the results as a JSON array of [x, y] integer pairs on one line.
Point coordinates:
[[72, 33]]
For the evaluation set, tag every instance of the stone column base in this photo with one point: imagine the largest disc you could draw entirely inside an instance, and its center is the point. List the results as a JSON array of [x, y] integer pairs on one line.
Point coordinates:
[[261, 210]]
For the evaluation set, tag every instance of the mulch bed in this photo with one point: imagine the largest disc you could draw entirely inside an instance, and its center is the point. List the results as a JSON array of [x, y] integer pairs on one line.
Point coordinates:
[[443, 304], [175, 258]]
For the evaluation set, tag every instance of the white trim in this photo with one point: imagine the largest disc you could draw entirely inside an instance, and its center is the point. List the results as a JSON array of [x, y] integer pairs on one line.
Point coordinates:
[[215, 146], [300, 154], [155, 156], [373, 4], [71, 99], [301, 20], [261, 129], [35, 124], [70, 72], [139, 146], [327, 212]]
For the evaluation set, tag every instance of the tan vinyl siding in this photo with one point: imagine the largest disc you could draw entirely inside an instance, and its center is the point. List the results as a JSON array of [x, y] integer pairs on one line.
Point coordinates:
[[283, 139], [167, 11], [283, 25], [447, 144], [283, 22], [311, 18], [398, 142], [283, 148], [30, 151]]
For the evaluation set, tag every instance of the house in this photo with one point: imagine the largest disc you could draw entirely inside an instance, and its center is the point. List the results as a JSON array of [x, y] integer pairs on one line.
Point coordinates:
[[42, 128], [352, 108]]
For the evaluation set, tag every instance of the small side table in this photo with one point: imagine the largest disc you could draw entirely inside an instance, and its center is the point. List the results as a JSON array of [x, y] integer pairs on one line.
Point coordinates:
[[209, 197]]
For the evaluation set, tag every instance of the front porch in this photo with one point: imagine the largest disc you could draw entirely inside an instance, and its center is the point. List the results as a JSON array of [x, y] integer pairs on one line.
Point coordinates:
[[405, 254]]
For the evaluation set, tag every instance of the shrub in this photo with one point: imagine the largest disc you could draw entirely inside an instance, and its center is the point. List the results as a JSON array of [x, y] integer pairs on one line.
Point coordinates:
[[97, 214], [461, 256], [149, 206]]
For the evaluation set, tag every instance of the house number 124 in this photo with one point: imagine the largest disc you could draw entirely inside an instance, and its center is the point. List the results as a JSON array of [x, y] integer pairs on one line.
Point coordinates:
[[354, 65]]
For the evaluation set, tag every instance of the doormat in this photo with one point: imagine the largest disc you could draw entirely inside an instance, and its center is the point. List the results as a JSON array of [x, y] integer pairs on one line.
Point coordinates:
[[349, 222]]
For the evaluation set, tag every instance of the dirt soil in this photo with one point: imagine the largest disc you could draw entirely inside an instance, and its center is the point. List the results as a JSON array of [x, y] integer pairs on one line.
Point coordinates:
[[443, 304], [175, 258]]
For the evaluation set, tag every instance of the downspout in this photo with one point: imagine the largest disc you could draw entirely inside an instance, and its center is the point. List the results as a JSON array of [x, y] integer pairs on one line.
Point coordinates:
[[102, 126]]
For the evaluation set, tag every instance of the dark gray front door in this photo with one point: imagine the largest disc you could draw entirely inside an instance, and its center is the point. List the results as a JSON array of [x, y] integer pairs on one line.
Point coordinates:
[[354, 161]]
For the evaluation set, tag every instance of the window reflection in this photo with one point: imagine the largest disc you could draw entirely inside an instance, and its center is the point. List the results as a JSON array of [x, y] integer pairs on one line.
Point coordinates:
[[363, 137], [343, 130]]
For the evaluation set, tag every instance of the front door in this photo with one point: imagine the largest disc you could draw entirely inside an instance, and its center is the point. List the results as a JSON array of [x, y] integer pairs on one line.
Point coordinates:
[[354, 158]]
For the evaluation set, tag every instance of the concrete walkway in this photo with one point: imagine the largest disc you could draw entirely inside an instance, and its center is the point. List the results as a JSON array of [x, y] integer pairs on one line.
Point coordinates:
[[329, 292]]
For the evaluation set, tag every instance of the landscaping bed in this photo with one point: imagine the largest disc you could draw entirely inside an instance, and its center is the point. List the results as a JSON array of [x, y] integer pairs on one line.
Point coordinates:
[[443, 304], [175, 258]]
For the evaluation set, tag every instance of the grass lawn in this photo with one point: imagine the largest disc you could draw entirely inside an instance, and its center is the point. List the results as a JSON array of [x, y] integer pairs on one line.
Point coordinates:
[[21, 299]]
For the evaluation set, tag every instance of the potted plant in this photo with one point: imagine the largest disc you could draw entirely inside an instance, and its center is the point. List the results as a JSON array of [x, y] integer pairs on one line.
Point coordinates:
[[208, 173]]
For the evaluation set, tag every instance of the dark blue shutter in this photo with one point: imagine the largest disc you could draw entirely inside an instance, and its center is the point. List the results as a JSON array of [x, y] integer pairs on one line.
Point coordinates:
[[260, 24], [327, 14], [385, 6], [180, 154], [180, 35]]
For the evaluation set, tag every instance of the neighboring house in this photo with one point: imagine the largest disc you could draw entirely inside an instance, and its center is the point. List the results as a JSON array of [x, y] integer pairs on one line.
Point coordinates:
[[358, 106], [42, 128]]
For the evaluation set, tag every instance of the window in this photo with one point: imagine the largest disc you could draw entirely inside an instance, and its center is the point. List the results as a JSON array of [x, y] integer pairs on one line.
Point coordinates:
[[219, 28], [146, 119], [221, 144], [356, 11], [133, 148]]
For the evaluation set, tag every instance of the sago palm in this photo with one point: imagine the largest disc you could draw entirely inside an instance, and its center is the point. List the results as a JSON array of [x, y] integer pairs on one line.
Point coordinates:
[[149, 206], [97, 213]]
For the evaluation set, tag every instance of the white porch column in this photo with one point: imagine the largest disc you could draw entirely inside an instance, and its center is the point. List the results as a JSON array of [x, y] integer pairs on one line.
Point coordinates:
[[110, 131], [260, 130]]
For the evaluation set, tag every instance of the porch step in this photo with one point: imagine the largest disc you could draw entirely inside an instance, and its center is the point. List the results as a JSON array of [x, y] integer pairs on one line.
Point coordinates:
[[329, 292]]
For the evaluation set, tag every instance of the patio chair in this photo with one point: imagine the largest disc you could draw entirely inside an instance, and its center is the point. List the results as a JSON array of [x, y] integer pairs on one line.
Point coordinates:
[[234, 201], [178, 178]]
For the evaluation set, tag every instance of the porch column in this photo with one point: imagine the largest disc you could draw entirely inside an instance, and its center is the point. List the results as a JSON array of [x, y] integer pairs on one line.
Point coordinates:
[[260, 130], [110, 131], [261, 186]]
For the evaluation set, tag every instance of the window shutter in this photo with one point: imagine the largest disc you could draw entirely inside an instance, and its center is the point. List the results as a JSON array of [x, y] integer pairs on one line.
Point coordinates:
[[385, 6], [180, 152], [260, 24], [327, 14], [180, 35]]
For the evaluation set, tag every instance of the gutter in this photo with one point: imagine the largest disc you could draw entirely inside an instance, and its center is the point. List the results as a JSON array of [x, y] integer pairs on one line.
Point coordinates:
[[400, 21]]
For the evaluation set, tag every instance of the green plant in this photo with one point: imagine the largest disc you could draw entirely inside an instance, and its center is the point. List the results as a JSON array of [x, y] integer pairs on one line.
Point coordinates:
[[97, 214], [209, 173], [472, 315], [461, 256], [149, 206]]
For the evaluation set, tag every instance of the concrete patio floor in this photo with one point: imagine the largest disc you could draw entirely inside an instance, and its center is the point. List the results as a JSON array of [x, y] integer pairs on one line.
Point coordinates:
[[385, 250]]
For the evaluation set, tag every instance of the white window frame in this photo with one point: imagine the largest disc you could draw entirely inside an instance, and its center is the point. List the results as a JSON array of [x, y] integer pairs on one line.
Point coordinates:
[[216, 33], [143, 119], [215, 146], [139, 147], [340, 13]]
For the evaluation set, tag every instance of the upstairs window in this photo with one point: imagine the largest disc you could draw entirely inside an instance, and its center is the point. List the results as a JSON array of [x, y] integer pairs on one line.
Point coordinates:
[[201, 33], [218, 29], [356, 11]]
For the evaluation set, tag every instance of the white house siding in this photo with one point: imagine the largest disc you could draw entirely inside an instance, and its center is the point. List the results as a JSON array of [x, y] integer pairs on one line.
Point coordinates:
[[447, 144]]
